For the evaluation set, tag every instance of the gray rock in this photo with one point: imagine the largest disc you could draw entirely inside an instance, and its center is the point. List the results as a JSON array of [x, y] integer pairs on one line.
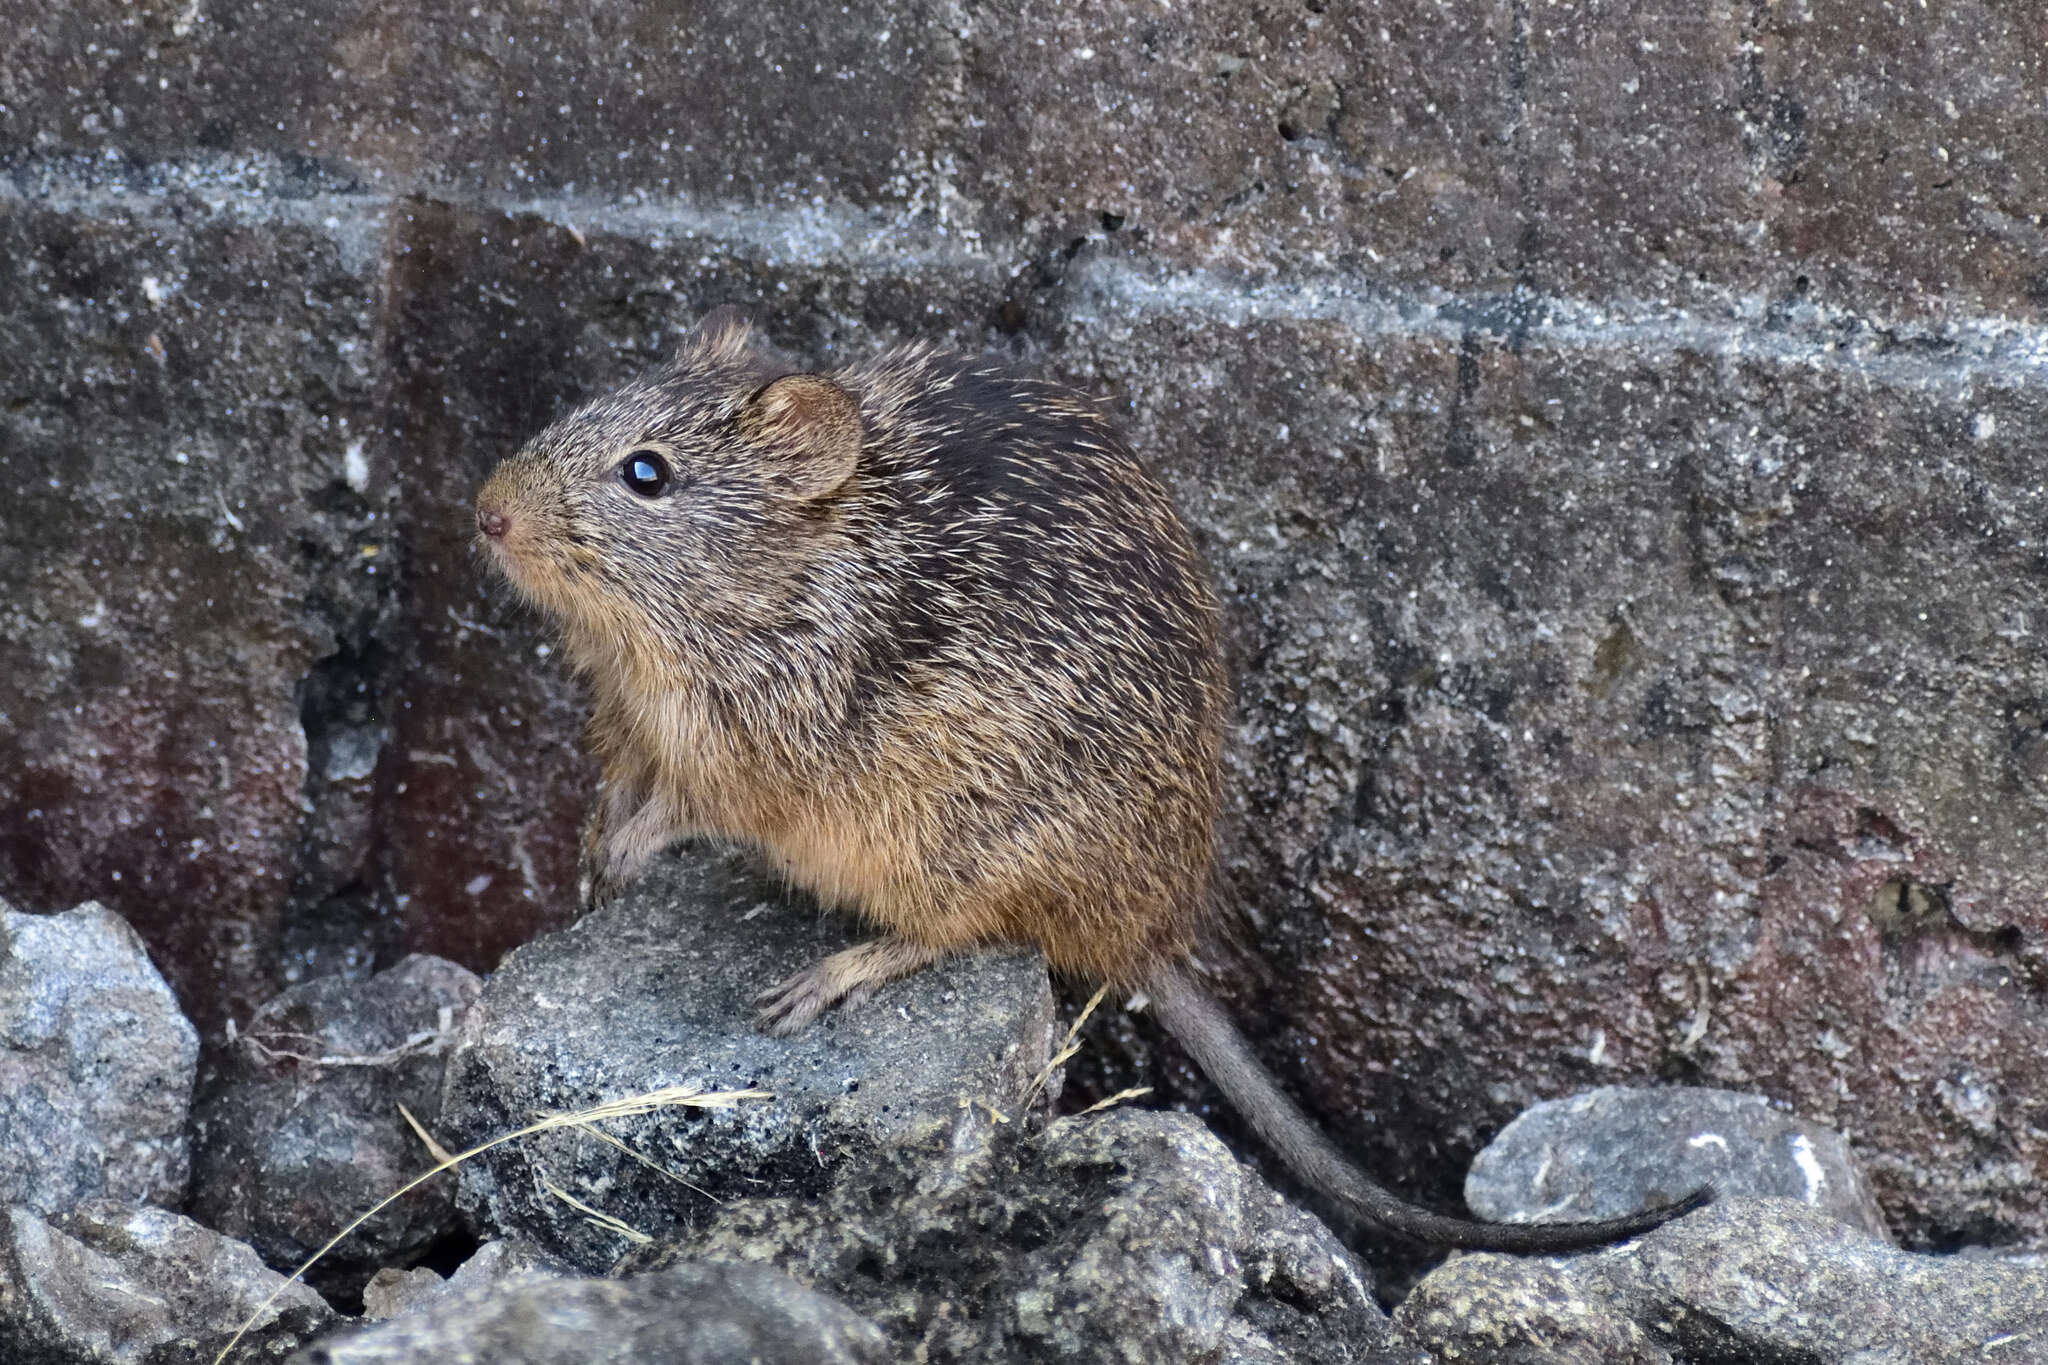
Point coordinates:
[[1612, 1150], [1775, 1280], [300, 1130], [1743, 1280], [1488, 1308], [120, 1285], [707, 1314], [392, 1291], [1126, 1236], [656, 991], [400, 1293], [96, 1065]]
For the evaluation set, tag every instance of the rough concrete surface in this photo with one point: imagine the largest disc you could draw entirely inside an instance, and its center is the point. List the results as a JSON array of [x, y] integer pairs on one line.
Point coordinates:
[[1701, 152], [1617, 436], [184, 548]]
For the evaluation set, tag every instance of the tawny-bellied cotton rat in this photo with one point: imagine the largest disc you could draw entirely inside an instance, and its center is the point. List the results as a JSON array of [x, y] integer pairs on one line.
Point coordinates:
[[925, 635]]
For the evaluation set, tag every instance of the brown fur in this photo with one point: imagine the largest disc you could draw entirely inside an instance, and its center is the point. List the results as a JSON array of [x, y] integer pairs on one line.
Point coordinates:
[[925, 635]]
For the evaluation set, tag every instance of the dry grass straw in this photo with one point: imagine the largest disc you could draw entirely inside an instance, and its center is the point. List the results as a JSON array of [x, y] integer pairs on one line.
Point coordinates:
[[1111, 1101], [598, 1216], [1064, 1053], [631, 1106], [1068, 1048]]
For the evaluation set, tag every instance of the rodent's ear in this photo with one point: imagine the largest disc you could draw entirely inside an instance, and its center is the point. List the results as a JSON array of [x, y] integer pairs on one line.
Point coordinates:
[[724, 331], [810, 429]]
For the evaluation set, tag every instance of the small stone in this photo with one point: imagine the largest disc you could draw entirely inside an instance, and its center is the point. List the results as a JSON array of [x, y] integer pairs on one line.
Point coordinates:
[[392, 1291], [405, 1293], [502, 1259], [690, 1314], [96, 1065], [1490, 1308], [301, 1129], [1617, 1149]]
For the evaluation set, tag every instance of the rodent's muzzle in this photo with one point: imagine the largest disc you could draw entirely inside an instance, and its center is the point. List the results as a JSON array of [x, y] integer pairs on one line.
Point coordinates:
[[506, 520]]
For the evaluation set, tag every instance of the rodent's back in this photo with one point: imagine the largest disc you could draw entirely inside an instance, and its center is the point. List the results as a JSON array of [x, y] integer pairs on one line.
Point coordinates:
[[1052, 676], [973, 692]]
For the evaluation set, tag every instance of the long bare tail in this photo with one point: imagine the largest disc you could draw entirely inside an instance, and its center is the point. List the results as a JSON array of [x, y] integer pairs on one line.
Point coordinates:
[[1191, 1016]]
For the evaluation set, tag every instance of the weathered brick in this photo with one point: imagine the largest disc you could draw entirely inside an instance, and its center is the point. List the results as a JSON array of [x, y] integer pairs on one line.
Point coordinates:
[[184, 398]]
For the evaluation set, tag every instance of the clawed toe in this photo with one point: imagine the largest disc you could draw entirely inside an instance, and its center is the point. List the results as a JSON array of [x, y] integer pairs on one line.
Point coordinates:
[[849, 977], [789, 1007]]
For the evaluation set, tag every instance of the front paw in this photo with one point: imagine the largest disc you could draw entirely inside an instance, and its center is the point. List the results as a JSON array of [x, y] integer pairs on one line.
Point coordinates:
[[617, 850], [595, 889], [613, 873], [599, 878]]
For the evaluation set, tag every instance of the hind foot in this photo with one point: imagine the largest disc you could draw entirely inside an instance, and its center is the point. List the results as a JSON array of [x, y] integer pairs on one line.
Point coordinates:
[[791, 1006]]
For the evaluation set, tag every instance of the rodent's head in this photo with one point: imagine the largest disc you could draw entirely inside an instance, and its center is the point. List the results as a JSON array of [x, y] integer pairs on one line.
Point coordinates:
[[687, 499]]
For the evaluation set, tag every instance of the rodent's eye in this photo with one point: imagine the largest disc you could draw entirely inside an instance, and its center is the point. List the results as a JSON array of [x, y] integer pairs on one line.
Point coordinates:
[[646, 473]]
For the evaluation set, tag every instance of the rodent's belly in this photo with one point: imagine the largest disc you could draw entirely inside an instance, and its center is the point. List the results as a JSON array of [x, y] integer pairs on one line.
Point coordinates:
[[841, 866], [946, 871], [849, 864], [846, 861], [837, 854]]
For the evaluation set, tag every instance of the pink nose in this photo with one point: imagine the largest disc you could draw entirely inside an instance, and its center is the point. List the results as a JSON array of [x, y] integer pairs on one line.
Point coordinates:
[[492, 522]]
